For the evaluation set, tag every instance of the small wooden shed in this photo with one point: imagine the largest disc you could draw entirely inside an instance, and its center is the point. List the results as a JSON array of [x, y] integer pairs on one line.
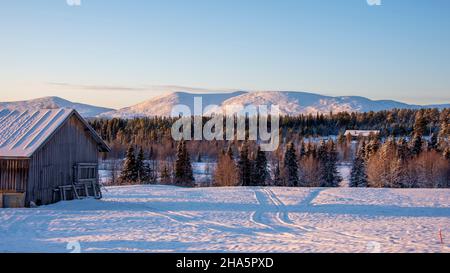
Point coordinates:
[[48, 155]]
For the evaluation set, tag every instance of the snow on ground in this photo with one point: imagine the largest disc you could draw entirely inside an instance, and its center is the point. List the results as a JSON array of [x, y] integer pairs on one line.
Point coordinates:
[[172, 219]]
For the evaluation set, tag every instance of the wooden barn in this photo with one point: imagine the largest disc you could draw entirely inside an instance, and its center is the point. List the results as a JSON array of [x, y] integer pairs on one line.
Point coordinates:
[[47, 156]]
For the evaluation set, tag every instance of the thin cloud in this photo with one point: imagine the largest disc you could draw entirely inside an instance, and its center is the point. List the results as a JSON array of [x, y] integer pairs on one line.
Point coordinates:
[[98, 87], [148, 88]]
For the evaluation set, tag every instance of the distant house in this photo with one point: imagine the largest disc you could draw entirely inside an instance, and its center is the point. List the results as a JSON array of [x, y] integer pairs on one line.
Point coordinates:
[[363, 133], [48, 155]]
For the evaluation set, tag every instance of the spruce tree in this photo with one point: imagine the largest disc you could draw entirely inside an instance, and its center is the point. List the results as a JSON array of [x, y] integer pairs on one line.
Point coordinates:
[[372, 147], [244, 166], [329, 162], [358, 175], [129, 172], [290, 171], [341, 139], [148, 173], [403, 150], [140, 166], [180, 164], [261, 170], [415, 145], [361, 150], [420, 124], [183, 169], [322, 150], [302, 150]]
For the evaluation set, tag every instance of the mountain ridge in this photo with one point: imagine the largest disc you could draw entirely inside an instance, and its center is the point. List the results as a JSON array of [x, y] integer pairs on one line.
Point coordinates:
[[52, 102], [290, 103]]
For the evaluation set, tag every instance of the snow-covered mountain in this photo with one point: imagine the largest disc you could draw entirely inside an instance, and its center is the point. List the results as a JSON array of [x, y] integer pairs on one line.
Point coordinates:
[[290, 103], [85, 110], [162, 105]]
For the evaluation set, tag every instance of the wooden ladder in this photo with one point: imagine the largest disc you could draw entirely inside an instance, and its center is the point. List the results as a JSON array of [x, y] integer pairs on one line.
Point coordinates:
[[79, 191]]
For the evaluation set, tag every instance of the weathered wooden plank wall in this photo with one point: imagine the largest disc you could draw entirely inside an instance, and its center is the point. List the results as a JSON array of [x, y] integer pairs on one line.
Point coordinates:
[[52, 165], [13, 175]]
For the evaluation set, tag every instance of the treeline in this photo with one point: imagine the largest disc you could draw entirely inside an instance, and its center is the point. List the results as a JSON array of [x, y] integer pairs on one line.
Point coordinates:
[[313, 165], [398, 163], [394, 163], [156, 132], [137, 169], [396, 122], [418, 159], [294, 168]]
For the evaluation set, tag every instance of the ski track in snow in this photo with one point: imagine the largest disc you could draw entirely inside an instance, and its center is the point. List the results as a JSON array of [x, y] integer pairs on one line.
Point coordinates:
[[244, 219]]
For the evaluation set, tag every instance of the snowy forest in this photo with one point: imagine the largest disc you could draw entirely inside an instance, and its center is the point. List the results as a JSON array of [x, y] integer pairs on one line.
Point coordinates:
[[412, 150]]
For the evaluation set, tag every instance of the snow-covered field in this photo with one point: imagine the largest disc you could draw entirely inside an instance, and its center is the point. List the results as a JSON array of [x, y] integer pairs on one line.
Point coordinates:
[[171, 219]]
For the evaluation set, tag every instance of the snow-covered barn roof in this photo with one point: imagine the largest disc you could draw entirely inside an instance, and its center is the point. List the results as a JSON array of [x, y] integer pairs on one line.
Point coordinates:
[[23, 132], [364, 133]]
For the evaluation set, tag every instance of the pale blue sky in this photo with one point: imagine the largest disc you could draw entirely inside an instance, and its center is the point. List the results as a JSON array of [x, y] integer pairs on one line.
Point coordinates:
[[111, 52]]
